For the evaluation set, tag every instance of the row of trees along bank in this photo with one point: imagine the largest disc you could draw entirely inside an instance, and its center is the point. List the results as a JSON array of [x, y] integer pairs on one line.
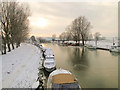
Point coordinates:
[[79, 30], [14, 24]]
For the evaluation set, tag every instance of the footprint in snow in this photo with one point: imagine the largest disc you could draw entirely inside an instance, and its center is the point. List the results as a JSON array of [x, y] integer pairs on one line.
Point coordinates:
[[8, 72]]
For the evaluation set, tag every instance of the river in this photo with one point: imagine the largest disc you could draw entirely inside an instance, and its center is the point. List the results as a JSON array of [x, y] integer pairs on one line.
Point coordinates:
[[92, 68]]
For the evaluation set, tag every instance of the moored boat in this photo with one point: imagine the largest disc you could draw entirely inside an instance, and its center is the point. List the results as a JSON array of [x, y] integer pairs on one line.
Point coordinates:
[[40, 46], [49, 64], [115, 49], [62, 79], [48, 53]]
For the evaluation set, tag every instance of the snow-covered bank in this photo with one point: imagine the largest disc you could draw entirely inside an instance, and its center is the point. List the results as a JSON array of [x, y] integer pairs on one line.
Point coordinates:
[[100, 44], [20, 67], [0, 72]]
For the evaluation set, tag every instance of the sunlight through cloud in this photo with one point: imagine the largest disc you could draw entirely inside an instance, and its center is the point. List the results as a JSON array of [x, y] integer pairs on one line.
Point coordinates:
[[41, 22]]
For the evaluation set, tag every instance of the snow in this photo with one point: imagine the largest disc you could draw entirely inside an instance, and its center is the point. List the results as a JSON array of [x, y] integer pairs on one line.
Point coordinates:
[[48, 52], [20, 66], [55, 72], [0, 71], [35, 85], [59, 71], [100, 44], [49, 63]]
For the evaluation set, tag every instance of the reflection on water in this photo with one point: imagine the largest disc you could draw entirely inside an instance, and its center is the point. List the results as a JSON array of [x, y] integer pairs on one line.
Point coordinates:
[[92, 68], [78, 59]]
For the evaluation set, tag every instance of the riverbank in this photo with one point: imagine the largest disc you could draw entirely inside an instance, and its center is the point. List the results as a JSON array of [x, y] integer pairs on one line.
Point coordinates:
[[102, 44], [20, 67]]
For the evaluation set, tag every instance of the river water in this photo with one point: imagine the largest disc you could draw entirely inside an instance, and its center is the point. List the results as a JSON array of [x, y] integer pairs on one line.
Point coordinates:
[[92, 68]]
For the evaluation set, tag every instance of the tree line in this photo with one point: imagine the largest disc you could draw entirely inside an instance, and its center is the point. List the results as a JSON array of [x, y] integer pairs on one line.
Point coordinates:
[[79, 30], [37, 40], [14, 24]]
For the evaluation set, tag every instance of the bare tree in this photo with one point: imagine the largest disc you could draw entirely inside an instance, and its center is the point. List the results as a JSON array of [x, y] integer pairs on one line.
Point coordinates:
[[80, 29], [74, 31], [67, 34], [83, 27], [53, 37], [5, 26], [90, 37], [62, 36], [22, 29], [96, 37], [14, 23], [13, 19], [41, 40]]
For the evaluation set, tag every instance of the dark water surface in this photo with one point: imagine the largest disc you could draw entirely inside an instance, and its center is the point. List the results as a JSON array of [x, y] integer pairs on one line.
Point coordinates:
[[92, 68]]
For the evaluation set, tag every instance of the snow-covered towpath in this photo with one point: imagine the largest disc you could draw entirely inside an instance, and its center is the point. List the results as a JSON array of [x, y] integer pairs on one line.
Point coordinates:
[[20, 67]]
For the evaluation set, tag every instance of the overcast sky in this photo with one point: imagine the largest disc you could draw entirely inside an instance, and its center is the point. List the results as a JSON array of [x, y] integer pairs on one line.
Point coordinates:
[[48, 18]]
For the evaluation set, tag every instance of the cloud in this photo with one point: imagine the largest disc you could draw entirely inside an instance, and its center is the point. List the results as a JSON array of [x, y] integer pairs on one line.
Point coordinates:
[[103, 16]]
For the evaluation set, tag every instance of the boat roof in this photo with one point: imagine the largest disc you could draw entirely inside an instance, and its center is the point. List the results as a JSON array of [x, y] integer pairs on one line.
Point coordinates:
[[49, 60], [48, 49], [59, 71], [49, 52], [63, 78], [52, 56]]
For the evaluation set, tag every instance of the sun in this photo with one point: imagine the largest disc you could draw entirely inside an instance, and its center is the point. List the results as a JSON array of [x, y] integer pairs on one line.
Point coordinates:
[[40, 22]]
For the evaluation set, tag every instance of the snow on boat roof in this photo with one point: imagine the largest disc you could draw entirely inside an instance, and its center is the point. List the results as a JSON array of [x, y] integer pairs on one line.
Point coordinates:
[[49, 60], [56, 72], [49, 56], [63, 78], [59, 71], [48, 51]]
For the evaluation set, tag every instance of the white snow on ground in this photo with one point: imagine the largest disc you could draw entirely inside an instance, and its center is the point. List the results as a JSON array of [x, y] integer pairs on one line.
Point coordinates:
[[101, 43], [20, 67], [0, 72]]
